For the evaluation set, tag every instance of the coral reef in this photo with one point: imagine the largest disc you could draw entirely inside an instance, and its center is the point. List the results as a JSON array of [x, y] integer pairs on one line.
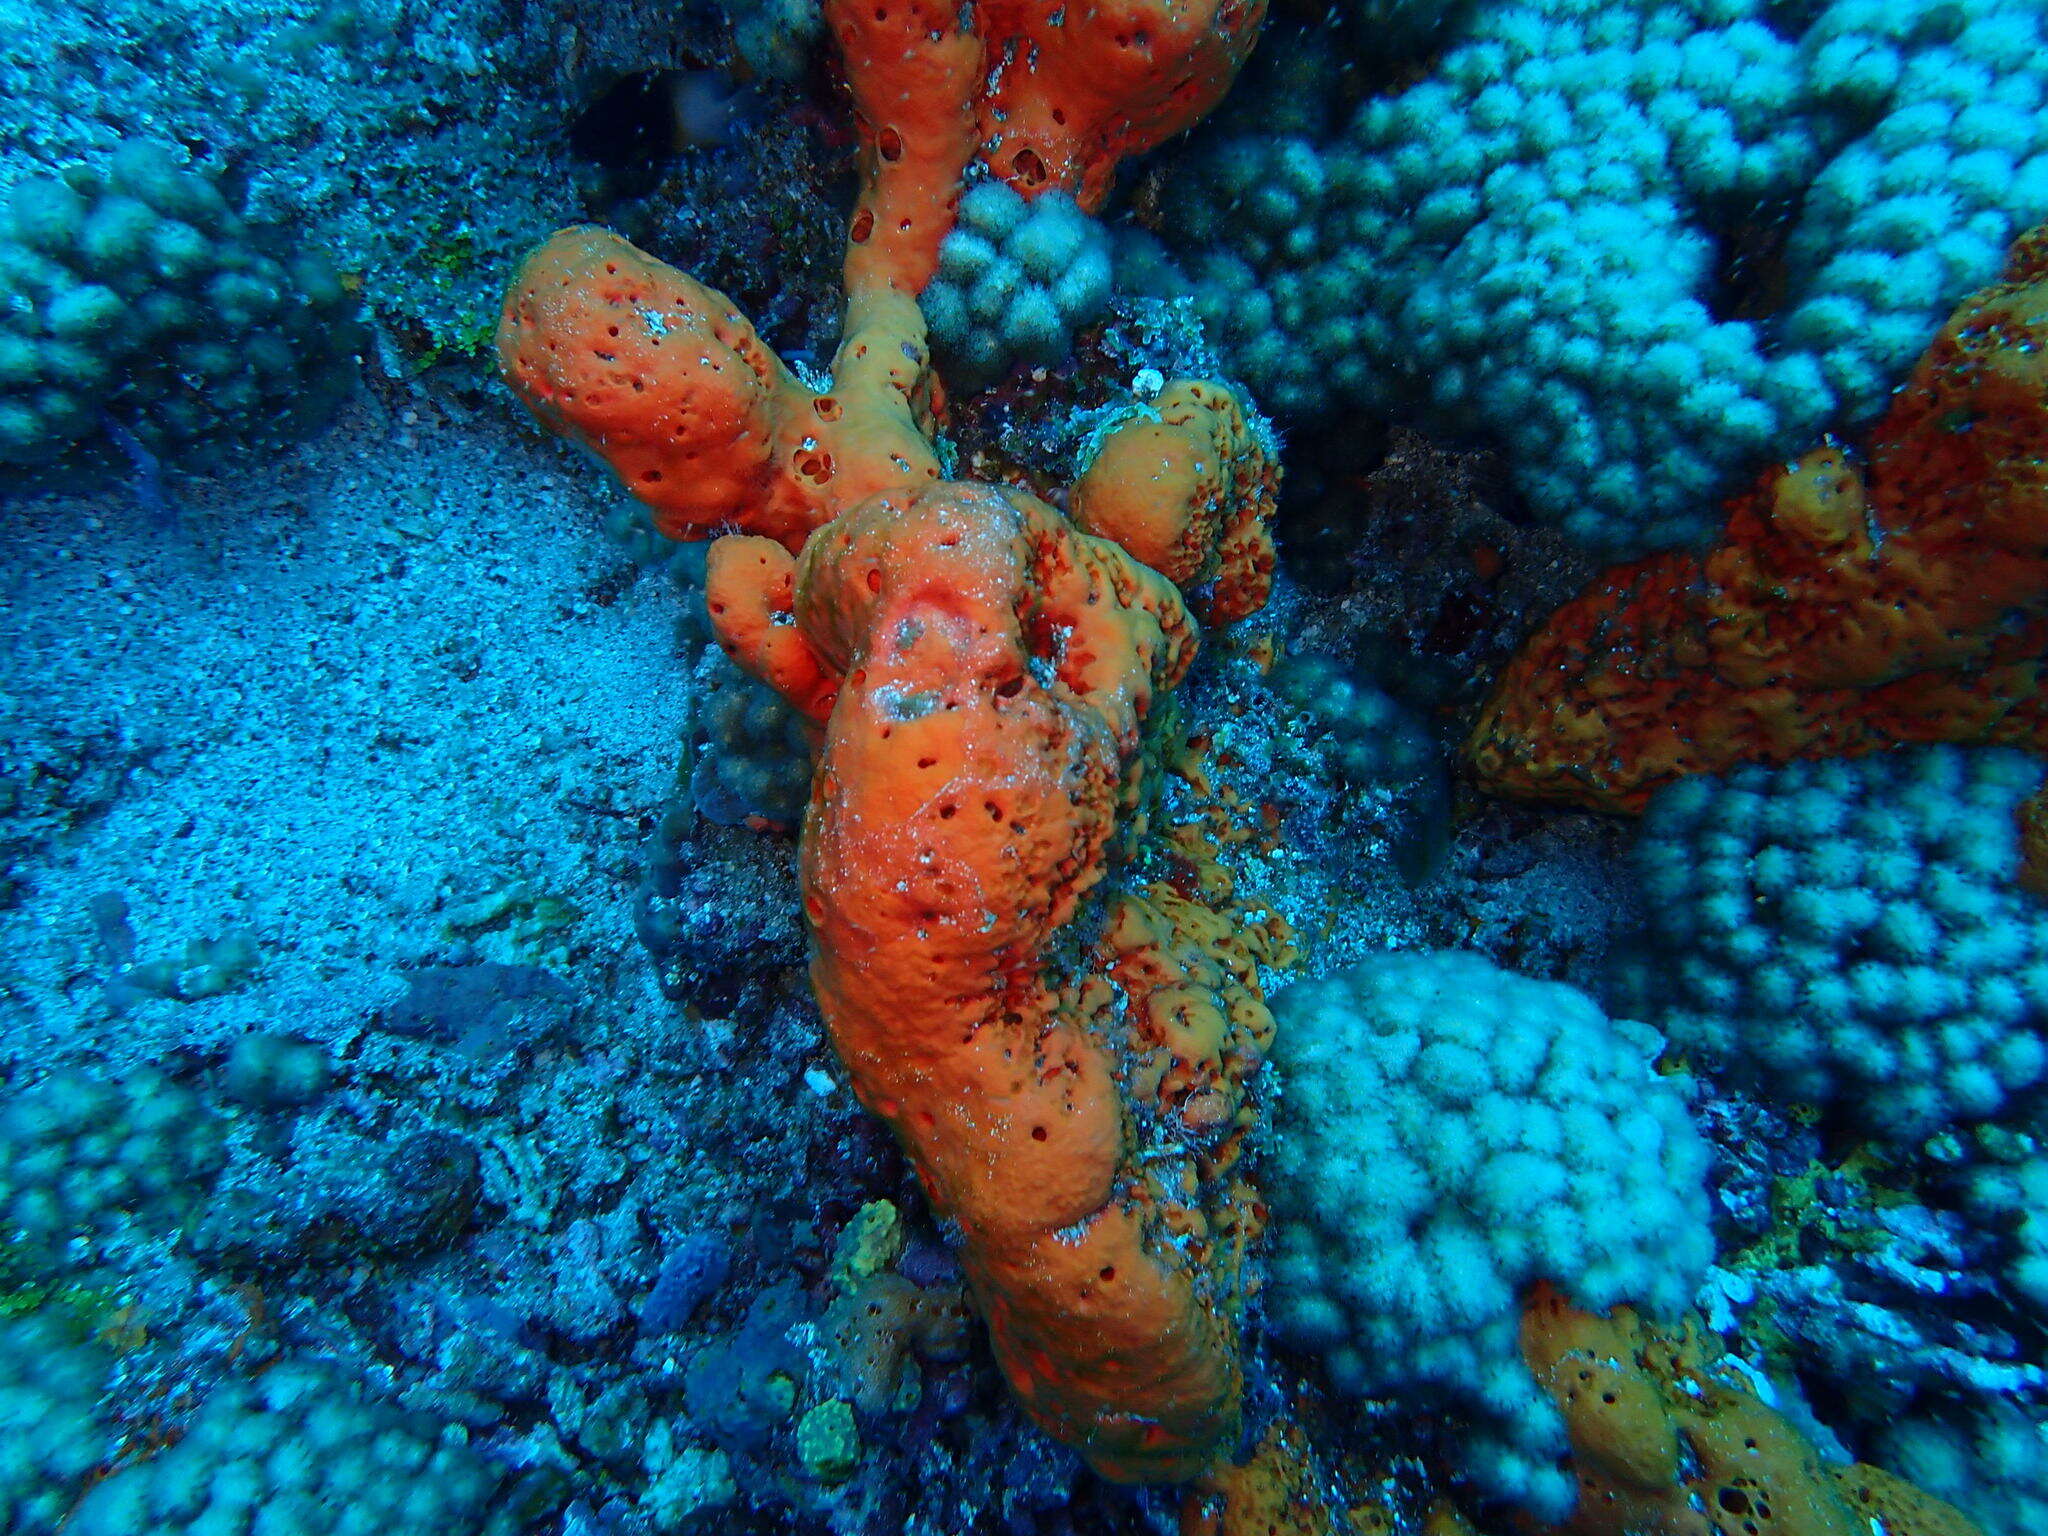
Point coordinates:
[[1642, 245], [51, 1380], [1845, 608], [1448, 1135], [517, 1020], [775, 37], [85, 1162], [151, 323], [2007, 1193], [1995, 1468], [298, 1450], [418, 146], [1850, 933]]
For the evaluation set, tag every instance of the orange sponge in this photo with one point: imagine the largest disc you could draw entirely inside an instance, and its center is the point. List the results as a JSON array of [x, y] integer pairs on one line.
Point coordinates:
[[1273, 1491], [668, 383], [1085, 83], [1050, 95], [1668, 1441], [750, 592], [997, 667], [915, 69], [1186, 484], [1845, 609], [981, 673]]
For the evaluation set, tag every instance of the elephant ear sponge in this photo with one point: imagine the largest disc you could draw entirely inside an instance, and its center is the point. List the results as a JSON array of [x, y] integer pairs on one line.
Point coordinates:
[[1448, 1135]]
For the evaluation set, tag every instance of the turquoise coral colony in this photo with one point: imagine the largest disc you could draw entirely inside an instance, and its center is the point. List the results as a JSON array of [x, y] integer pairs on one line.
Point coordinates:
[[1272, 769]]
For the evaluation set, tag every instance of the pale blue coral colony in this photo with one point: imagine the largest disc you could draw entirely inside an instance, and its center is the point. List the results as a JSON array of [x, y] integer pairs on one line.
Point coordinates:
[[1851, 933], [1451, 1133], [1015, 282], [1524, 244], [1638, 248], [153, 322]]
